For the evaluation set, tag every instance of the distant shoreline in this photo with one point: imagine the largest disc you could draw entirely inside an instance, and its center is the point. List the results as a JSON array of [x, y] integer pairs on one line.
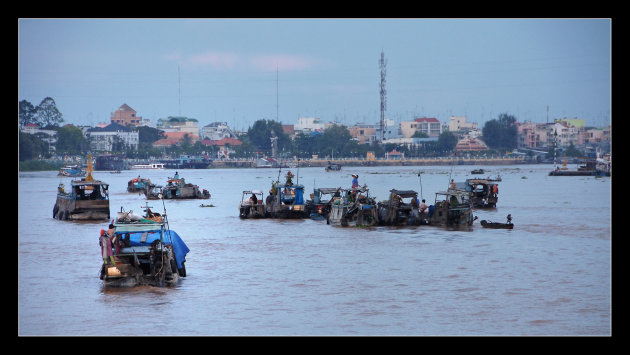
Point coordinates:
[[378, 162]]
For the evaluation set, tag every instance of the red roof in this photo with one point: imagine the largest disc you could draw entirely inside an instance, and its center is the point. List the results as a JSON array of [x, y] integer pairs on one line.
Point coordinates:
[[427, 119], [222, 141]]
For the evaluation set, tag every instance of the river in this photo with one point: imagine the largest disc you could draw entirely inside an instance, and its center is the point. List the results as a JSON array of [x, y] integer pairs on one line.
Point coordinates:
[[550, 275]]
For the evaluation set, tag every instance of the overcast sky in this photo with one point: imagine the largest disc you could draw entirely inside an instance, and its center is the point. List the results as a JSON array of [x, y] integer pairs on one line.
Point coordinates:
[[242, 70]]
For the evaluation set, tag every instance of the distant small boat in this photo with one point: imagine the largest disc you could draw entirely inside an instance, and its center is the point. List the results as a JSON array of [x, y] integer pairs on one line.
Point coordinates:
[[72, 171], [496, 225], [477, 171], [333, 167], [148, 166]]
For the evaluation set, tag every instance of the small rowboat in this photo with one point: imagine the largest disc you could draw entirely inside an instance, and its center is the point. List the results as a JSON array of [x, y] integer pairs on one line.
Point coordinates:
[[496, 225]]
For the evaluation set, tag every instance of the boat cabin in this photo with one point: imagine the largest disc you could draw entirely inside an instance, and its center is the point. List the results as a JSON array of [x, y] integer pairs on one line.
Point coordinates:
[[251, 205], [402, 208]]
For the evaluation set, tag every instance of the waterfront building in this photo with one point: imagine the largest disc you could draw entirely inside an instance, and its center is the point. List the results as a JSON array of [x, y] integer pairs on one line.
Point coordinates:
[[103, 139], [216, 131], [427, 125], [126, 116]]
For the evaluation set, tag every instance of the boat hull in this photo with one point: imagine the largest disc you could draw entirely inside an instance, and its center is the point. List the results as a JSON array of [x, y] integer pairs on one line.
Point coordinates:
[[69, 209], [494, 225]]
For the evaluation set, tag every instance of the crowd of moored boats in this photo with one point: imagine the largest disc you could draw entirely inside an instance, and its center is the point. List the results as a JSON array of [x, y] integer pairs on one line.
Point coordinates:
[[142, 250]]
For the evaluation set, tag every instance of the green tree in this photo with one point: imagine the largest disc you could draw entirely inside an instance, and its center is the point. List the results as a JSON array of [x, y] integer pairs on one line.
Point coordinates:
[[26, 113], [446, 141], [333, 140], [70, 140], [47, 113], [501, 133], [418, 134], [259, 135], [30, 147]]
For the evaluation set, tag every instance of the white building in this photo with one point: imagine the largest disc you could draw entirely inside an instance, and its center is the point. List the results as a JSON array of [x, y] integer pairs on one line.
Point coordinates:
[[310, 124], [103, 139], [216, 131], [47, 135], [458, 123]]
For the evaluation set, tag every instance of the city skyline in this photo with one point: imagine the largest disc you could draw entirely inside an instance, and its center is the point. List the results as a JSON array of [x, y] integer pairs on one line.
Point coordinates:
[[241, 70]]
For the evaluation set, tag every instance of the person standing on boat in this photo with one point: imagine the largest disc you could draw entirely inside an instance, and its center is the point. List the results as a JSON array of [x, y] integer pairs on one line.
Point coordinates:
[[176, 177], [106, 248], [355, 181], [452, 186], [423, 206], [254, 199]]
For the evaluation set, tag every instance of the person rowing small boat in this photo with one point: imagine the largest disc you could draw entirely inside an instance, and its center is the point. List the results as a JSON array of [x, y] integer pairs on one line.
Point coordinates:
[[497, 225]]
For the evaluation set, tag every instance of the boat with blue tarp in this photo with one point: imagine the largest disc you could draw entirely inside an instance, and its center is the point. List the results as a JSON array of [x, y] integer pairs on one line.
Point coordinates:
[[145, 252], [72, 171], [286, 200], [138, 184]]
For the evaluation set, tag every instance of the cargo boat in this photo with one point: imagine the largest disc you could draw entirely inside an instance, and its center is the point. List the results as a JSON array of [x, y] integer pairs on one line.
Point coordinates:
[[400, 210], [145, 252], [88, 199], [452, 208], [354, 207], [176, 188], [250, 207]]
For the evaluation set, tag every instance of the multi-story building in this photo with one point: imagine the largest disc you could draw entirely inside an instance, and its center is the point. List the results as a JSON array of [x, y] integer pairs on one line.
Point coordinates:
[[597, 135], [126, 116], [216, 131], [458, 124], [179, 124], [310, 124], [103, 139], [532, 135], [363, 133], [429, 126]]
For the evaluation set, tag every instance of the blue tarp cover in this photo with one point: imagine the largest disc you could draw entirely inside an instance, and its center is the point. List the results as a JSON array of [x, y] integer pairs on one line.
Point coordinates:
[[170, 237]]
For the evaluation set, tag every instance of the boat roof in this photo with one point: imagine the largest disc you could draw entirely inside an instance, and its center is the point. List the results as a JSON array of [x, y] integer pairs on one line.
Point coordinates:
[[138, 227], [452, 192], [327, 190], [291, 186], [481, 181], [404, 193], [257, 192], [88, 183]]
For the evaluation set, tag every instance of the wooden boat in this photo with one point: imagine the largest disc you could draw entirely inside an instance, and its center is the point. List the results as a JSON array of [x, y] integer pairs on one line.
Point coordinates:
[[145, 252], [483, 192], [88, 199], [176, 188], [477, 171], [496, 225], [353, 207], [399, 209], [318, 207], [333, 167], [286, 201], [250, 207], [137, 184], [452, 208]]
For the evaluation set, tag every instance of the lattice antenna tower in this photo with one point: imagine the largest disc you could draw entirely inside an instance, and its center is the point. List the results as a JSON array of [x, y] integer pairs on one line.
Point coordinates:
[[383, 65]]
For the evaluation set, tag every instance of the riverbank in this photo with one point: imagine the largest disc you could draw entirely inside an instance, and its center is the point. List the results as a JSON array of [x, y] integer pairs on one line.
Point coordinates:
[[37, 165], [378, 162]]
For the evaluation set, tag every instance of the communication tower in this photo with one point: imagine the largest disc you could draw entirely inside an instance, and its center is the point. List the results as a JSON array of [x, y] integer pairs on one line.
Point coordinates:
[[382, 65]]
